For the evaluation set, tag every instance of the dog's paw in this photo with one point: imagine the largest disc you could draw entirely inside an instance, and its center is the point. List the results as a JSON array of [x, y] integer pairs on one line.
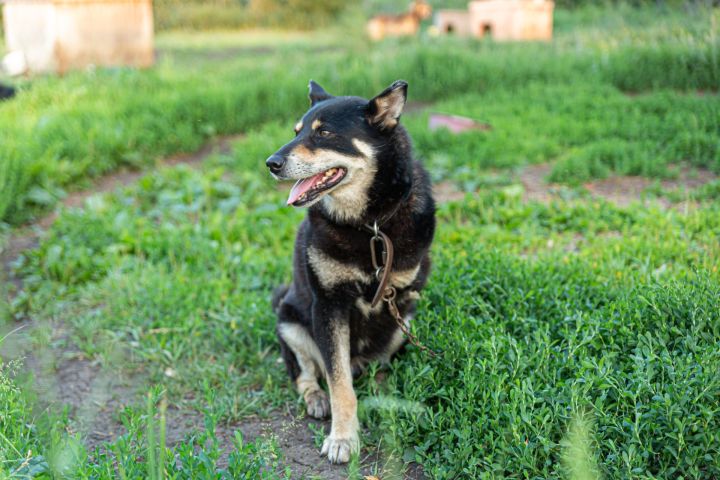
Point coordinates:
[[338, 450], [317, 404]]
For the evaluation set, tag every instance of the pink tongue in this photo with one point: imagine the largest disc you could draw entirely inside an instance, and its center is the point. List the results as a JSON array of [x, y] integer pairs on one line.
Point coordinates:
[[302, 186]]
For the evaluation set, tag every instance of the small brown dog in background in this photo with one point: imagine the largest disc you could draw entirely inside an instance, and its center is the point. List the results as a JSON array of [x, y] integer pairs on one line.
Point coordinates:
[[382, 26]]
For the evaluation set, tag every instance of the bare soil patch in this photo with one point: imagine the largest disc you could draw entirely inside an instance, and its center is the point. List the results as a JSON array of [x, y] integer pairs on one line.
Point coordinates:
[[296, 440], [447, 191], [95, 394], [618, 189], [623, 190], [295, 436], [92, 393], [533, 178]]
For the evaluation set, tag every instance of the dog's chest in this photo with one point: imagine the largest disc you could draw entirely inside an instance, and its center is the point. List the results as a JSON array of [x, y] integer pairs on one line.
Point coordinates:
[[352, 268], [374, 331]]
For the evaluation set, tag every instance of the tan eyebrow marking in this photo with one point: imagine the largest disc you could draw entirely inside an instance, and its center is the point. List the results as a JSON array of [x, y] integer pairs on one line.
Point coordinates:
[[302, 152], [298, 126], [316, 124]]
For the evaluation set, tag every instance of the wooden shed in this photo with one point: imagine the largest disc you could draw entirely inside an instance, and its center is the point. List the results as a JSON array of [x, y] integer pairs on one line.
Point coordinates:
[[61, 35], [500, 20], [453, 22], [512, 19]]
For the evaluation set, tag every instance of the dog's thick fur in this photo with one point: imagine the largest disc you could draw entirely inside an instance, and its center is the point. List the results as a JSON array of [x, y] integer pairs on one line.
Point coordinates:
[[326, 326]]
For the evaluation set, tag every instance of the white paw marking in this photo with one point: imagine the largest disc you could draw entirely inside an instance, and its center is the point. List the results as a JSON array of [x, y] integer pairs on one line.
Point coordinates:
[[338, 450]]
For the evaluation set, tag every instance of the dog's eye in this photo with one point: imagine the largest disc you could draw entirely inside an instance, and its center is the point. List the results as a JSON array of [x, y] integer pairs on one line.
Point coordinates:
[[324, 133]]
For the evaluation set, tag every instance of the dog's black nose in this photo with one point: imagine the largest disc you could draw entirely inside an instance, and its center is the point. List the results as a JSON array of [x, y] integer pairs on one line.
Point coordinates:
[[275, 163]]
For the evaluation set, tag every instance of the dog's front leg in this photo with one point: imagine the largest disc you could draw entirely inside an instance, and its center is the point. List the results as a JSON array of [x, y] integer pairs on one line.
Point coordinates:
[[331, 329]]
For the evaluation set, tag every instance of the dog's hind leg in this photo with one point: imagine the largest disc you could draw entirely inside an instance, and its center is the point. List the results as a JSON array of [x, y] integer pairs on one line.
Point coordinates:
[[303, 361], [278, 296], [288, 356]]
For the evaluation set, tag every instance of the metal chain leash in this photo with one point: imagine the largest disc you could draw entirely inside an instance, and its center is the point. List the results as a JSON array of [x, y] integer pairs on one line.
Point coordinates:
[[385, 292], [389, 298]]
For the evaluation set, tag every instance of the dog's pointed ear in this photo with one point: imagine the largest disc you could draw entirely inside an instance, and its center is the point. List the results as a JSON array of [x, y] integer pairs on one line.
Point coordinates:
[[385, 109], [317, 93]]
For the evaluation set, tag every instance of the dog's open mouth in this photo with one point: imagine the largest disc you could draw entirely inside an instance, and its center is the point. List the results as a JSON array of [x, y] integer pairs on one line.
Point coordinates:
[[308, 189]]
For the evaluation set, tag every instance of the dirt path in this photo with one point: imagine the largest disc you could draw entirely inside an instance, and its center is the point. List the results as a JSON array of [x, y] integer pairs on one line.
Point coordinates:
[[617, 189], [27, 237]]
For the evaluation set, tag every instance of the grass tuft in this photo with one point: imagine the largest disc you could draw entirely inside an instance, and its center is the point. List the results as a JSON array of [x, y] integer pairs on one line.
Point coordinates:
[[578, 456]]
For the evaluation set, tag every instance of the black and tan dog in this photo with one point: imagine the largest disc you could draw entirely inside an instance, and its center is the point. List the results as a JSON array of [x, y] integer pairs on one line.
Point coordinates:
[[354, 168]]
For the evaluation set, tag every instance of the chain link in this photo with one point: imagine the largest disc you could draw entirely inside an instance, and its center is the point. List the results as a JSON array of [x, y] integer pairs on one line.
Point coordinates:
[[389, 298]]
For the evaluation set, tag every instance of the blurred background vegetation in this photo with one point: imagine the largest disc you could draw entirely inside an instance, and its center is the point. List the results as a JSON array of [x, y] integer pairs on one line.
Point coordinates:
[[57, 137], [310, 14]]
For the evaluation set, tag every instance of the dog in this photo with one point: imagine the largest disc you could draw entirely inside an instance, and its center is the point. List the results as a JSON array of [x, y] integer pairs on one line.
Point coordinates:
[[356, 174], [382, 26]]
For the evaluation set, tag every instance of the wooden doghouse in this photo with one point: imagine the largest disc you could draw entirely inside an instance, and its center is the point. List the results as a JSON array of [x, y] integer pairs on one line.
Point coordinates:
[[61, 35], [499, 19], [453, 22], [512, 19]]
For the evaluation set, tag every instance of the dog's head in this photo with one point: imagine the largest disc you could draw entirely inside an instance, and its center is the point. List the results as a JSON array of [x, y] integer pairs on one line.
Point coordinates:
[[421, 9], [334, 153]]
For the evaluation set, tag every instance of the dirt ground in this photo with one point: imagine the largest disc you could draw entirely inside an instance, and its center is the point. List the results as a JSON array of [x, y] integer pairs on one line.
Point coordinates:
[[94, 393], [63, 376], [620, 190]]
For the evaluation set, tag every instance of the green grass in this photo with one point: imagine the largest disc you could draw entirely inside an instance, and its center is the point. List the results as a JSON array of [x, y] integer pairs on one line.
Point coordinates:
[[60, 132], [588, 130], [577, 337], [16, 430], [562, 310]]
